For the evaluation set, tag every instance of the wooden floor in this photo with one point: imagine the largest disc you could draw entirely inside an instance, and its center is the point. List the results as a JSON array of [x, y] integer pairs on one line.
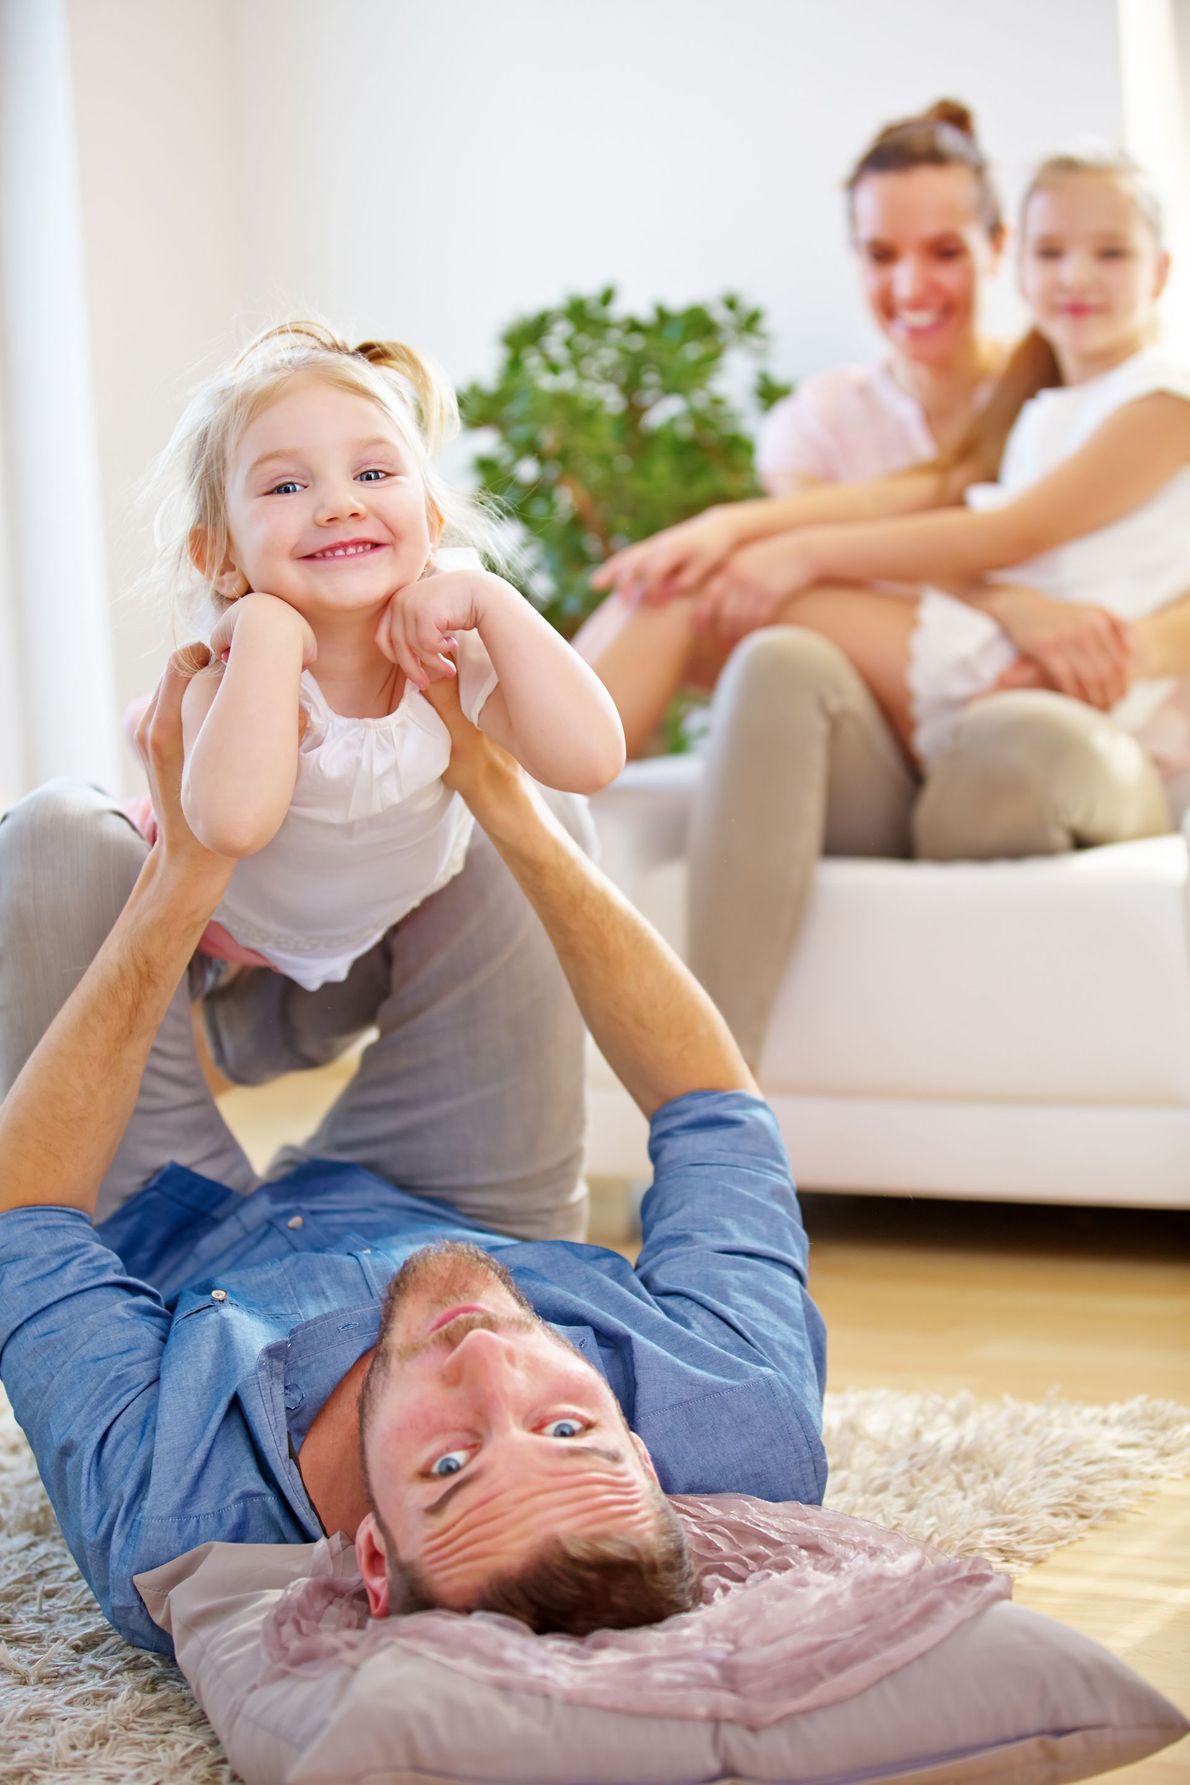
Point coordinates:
[[997, 1299]]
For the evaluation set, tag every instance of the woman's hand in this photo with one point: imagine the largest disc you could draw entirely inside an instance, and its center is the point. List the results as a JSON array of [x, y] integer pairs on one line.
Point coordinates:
[[1077, 649], [275, 612], [417, 629], [754, 585], [672, 562]]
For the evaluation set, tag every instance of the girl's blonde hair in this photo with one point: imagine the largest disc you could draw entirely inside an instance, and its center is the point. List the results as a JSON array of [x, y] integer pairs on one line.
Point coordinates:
[[190, 478], [1032, 366]]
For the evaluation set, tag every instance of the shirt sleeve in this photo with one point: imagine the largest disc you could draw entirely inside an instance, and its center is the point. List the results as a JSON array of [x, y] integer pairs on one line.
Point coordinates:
[[793, 441], [724, 1249], [477, 676], [80, 1355]]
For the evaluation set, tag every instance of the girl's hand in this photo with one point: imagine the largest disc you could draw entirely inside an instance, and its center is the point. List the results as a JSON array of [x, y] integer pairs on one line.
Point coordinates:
[[1080, 650], [417, 629], [274, 613], [672, 562], [754, 585]]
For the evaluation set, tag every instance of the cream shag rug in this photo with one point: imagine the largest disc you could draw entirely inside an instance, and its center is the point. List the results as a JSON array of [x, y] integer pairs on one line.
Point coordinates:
[[1008, 1479]]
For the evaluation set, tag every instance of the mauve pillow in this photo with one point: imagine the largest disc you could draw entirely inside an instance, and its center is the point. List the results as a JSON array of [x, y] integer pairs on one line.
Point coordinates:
[[827, 1650]]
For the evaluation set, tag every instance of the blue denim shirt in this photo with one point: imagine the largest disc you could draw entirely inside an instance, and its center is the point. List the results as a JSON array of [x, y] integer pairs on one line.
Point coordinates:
[[167, 1365]]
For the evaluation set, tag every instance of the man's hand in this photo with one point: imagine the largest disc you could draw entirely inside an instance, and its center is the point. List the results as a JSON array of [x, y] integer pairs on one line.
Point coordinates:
[[478, 769], [1074, 648], [159, 744]]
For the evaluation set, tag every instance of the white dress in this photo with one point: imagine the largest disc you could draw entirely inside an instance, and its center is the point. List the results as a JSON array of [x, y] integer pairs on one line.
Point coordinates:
[[1132, 567], [371, 831]]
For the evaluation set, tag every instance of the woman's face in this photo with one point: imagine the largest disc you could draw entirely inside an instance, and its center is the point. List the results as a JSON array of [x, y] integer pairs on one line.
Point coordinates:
[[923, 252]]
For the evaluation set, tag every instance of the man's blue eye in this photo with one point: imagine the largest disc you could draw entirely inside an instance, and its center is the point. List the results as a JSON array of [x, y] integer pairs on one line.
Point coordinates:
[[450, 1464], [564, 1428]]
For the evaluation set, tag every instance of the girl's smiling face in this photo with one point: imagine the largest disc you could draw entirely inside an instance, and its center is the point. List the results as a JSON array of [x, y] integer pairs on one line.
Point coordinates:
[[326, 508], [1091, 270], [924, 252]]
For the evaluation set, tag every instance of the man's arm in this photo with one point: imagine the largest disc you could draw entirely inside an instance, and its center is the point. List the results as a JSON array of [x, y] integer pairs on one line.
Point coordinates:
[[63, 1119], [651, 1019]]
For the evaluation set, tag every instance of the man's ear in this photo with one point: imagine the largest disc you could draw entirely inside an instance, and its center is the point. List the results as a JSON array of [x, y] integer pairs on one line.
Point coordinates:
[[372, 1556], [642, 1451], [228, 579]]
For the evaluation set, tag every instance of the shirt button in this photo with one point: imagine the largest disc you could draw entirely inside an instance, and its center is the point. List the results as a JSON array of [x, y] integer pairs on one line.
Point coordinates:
[[218, 1295], [296, 1221], [365, 1251]]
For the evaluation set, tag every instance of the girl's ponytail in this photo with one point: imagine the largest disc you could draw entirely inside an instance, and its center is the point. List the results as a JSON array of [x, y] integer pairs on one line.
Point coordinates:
[[1030, 367], [433, 396]]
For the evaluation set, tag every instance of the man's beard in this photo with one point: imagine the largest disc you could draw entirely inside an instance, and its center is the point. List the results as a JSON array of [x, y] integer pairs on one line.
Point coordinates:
[[449, 1268]]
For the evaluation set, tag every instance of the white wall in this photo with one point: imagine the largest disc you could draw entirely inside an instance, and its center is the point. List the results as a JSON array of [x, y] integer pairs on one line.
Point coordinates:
[[433, 167], [61, 719]]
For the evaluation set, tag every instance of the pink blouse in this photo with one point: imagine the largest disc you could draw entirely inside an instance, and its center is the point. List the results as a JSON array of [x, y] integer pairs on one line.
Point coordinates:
[[844, 426]]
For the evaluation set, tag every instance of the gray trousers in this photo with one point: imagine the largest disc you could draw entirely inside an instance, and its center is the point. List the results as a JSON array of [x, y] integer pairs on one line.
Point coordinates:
[[802, 763], [472, 1092]]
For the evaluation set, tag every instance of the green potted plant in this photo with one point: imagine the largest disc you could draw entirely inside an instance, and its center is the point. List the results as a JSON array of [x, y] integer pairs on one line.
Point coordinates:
[[604, 427]]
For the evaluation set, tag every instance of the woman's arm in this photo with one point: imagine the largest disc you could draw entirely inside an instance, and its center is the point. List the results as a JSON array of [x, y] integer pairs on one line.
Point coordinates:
[[1127, 459], [549, 709], [680, 558], [240, 725]]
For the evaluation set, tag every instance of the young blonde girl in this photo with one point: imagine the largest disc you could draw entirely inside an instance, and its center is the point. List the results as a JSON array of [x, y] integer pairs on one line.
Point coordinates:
[[306, 515]]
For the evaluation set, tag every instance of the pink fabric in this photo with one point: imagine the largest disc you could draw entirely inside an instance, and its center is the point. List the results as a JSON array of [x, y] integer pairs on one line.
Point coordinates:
[[801, 1608], [843, 427]]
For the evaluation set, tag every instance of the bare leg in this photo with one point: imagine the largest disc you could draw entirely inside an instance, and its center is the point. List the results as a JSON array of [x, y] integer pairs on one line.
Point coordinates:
[[641, 655]]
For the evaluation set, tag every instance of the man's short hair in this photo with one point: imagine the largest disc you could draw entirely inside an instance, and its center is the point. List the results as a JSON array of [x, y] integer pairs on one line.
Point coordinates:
[[573, 1585]]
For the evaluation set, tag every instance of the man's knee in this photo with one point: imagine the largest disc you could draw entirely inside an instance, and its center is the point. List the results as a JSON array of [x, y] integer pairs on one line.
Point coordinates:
[[1033, 773], [68, 860]]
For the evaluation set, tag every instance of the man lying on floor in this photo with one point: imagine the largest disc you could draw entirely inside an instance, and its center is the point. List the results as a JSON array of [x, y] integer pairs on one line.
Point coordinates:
[[498, 1422]]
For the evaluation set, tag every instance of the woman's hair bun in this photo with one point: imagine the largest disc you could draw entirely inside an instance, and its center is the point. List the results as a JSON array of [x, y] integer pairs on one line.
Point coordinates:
[[954, 113]]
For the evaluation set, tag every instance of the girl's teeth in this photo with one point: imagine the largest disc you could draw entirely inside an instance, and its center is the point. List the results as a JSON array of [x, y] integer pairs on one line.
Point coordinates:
[[344, 551]]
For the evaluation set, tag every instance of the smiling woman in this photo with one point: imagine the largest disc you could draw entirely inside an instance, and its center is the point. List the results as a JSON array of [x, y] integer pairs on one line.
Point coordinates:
[[926, 228]]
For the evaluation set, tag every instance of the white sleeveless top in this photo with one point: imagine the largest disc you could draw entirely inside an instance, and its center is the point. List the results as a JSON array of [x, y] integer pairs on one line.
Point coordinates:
[[1132, 567], [370, 832]]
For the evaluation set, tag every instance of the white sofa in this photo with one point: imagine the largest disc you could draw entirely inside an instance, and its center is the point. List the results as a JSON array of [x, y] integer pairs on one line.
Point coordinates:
[[1014, 1030]]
